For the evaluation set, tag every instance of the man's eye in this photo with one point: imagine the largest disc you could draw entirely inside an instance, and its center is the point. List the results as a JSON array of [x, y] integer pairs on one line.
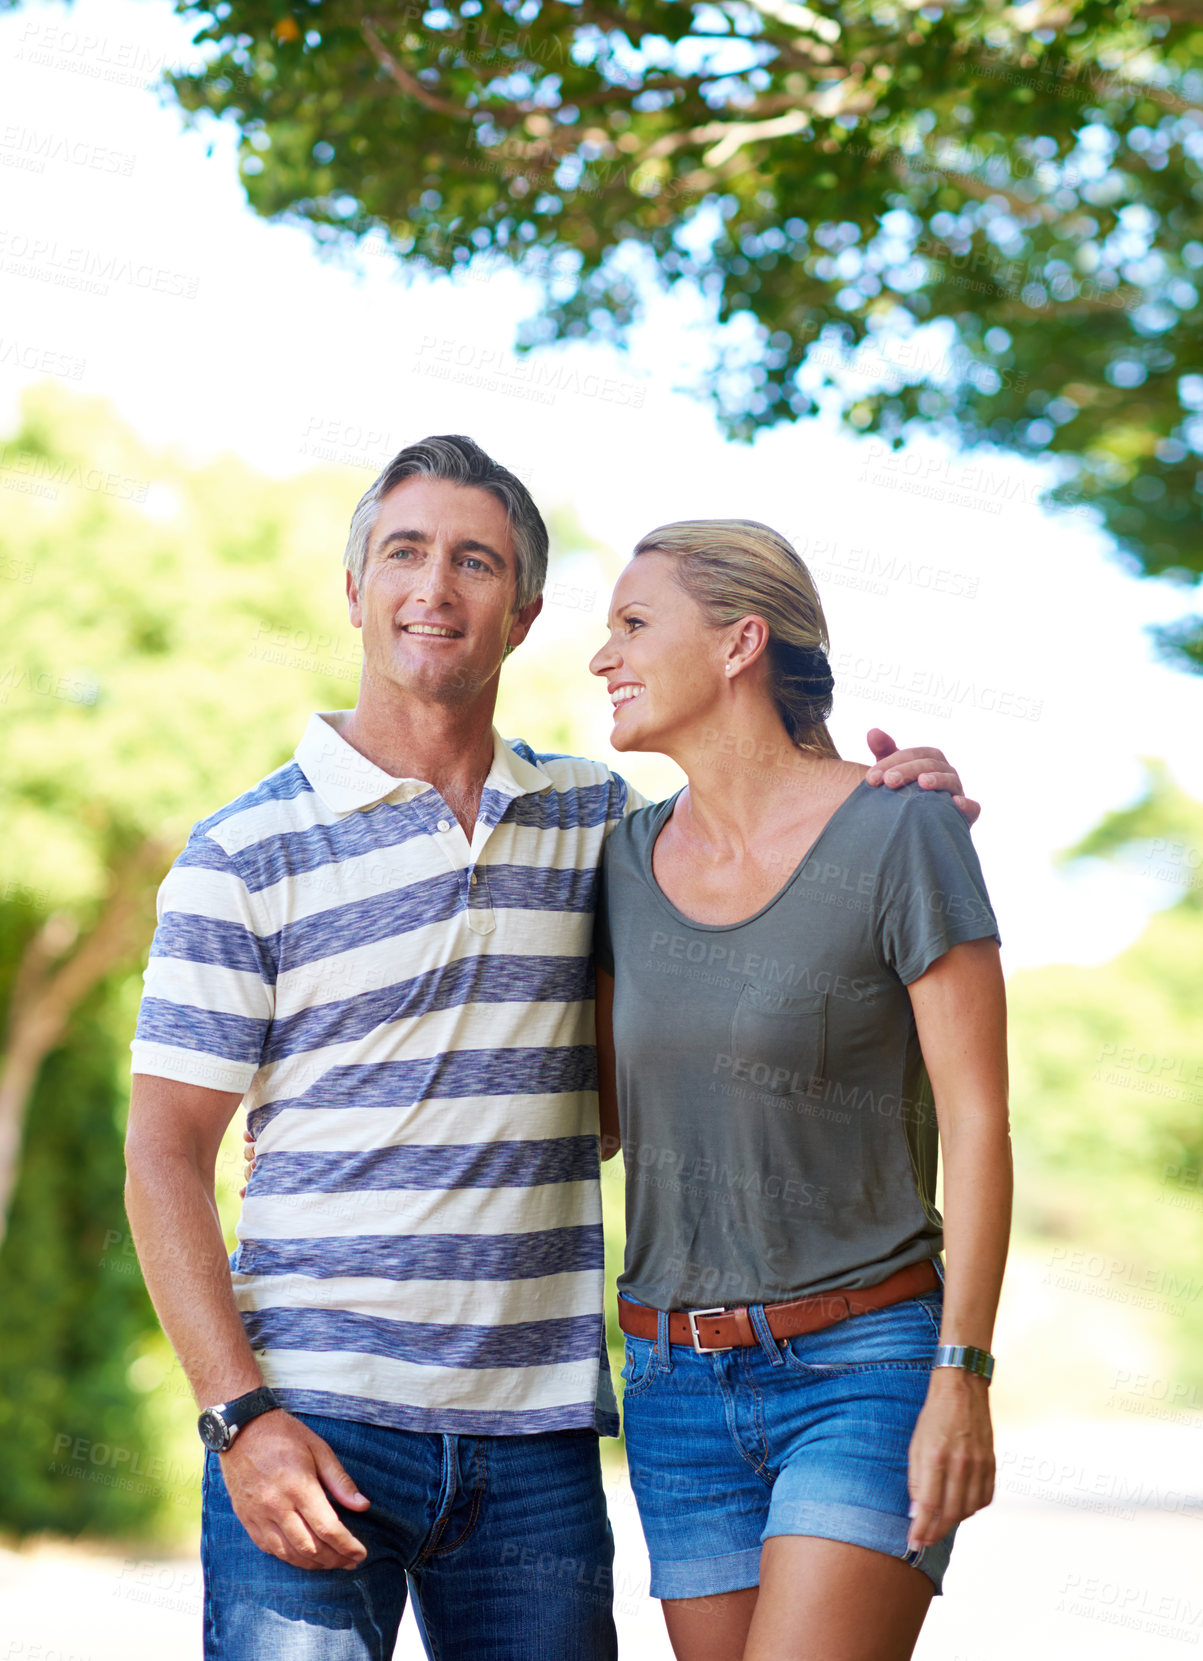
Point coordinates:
[[474, 564], [400, 553]]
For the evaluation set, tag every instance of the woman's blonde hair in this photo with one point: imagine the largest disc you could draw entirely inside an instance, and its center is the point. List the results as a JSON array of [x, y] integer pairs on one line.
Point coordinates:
[[737, 568]]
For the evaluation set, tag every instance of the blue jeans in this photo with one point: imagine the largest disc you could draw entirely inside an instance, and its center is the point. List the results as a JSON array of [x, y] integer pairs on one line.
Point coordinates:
[[503, 1540], [810, 1436]]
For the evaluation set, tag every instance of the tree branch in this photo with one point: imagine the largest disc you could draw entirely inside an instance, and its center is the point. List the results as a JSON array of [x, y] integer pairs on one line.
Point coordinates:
[[408, 83], [46, 996]]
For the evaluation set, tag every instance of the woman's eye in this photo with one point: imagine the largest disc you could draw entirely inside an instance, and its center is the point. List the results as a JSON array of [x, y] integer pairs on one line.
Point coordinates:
[[634, 623]]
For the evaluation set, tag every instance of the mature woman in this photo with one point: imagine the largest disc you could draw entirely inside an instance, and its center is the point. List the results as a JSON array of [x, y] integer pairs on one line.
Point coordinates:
[[803, 981]]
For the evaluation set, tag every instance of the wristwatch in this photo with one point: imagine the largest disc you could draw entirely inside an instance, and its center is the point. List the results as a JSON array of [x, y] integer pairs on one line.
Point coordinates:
[[967, 1358], [219, 1425]]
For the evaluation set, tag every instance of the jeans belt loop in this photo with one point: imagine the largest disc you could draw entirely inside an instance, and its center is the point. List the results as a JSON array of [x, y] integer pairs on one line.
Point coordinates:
[[760, 1326], [664, 1349]]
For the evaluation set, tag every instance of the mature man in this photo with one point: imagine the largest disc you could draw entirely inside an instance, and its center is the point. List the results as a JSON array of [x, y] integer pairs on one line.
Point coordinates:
[[384, 949]]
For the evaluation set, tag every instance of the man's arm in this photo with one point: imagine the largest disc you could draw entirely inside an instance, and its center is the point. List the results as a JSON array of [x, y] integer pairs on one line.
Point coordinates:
[[278, 1472], [894, 767], [607, 1080]]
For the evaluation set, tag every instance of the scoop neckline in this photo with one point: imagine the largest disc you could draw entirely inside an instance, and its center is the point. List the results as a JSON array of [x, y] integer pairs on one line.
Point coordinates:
[[658, 824]]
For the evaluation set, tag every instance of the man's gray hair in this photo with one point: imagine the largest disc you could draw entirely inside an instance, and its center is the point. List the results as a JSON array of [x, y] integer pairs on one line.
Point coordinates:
[[459, 461]]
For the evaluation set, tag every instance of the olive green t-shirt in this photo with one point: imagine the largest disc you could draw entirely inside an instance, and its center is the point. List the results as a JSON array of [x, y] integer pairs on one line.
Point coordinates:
[[778, 1128]]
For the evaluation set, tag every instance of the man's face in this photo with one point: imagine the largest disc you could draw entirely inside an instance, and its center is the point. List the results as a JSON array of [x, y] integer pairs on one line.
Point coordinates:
[[436, 602]]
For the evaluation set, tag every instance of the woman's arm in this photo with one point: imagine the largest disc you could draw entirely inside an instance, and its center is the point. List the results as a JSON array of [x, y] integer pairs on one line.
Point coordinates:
[[607, 1084], [960, 1015]]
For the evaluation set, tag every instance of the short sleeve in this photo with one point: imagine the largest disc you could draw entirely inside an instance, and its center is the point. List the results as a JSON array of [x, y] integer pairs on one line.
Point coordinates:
[[209, 987], [930, 893]]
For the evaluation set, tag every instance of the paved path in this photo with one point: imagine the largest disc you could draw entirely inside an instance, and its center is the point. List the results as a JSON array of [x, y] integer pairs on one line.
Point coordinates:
[[1093, 1551]]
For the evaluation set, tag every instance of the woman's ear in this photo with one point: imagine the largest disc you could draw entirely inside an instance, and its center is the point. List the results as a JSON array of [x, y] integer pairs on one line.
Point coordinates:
[[747, 643]]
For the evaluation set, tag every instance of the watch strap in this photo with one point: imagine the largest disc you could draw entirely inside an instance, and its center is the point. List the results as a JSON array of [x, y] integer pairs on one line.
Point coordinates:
[[219, 1425], [243, 1409], [967, 1358]]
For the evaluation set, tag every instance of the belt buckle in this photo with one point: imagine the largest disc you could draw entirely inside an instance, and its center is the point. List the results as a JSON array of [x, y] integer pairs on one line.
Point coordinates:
[[691, 1315]]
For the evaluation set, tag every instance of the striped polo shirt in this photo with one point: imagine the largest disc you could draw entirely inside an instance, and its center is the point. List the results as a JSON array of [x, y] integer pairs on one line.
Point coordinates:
[[410, 1019]]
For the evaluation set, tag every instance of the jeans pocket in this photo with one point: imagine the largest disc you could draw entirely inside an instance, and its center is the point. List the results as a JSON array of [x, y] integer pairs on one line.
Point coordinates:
[[900, 1337], [778, 1039], [639, 1366]]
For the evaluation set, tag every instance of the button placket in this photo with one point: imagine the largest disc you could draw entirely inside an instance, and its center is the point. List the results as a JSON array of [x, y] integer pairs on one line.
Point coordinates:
[[480, 903]]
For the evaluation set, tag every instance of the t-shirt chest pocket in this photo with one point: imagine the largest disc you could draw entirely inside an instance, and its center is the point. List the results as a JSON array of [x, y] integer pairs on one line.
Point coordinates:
[[779, 1038]]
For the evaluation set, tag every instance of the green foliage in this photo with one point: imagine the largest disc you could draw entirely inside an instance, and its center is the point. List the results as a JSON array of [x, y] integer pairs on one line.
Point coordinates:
[[166, 633], [75, 1446], [1107, 1085], [980, 217]]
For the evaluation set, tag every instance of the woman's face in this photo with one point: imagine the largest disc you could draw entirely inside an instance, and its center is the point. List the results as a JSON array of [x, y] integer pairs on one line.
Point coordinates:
[[663, 663]]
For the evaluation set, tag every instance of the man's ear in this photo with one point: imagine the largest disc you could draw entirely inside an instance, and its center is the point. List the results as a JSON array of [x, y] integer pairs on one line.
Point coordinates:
[[354, 609], [523, 619]]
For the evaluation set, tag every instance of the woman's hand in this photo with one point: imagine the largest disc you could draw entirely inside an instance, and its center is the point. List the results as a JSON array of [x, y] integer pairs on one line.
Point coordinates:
[[952, 1456]]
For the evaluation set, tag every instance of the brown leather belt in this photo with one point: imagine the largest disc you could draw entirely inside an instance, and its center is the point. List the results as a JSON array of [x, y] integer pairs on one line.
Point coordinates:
[[728, 1329]]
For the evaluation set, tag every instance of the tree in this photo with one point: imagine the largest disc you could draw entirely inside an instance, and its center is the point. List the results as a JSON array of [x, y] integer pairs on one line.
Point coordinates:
[[166, 633], [1108, 1084], [981, 217]]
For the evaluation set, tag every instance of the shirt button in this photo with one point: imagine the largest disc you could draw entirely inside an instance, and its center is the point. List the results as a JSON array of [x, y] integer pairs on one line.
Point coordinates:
[[472, 879], [444, 825]]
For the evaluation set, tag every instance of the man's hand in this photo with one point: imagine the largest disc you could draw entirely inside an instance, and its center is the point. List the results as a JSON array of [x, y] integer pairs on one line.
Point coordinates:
[[932, 768], [278, 1474]]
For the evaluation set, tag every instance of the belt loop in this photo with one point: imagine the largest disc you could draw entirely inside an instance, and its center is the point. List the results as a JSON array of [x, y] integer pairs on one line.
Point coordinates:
[[760, 1326], [664, 1349], [939, 1268]]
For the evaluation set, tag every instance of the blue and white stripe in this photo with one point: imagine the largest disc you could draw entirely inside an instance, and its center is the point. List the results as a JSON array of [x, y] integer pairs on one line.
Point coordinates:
[[409, 1016]]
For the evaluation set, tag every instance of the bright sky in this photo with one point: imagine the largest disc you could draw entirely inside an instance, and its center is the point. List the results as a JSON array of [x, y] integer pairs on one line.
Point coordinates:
[[1006, 636]]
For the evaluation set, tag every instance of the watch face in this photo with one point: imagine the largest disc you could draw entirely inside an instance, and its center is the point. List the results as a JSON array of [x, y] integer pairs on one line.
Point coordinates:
[[214, 1431]]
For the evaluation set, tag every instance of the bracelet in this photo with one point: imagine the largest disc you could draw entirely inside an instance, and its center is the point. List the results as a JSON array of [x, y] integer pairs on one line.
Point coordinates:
[[965, 1357]]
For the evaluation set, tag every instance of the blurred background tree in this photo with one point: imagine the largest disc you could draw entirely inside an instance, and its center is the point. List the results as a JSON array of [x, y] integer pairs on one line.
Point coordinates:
[[968, 216]]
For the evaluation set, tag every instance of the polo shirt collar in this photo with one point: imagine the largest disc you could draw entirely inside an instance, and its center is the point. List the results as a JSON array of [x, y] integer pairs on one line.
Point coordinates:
[[346, 780]]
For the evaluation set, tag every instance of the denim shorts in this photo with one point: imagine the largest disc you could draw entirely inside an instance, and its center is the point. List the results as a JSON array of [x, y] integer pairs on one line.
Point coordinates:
[[810, 1436]]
